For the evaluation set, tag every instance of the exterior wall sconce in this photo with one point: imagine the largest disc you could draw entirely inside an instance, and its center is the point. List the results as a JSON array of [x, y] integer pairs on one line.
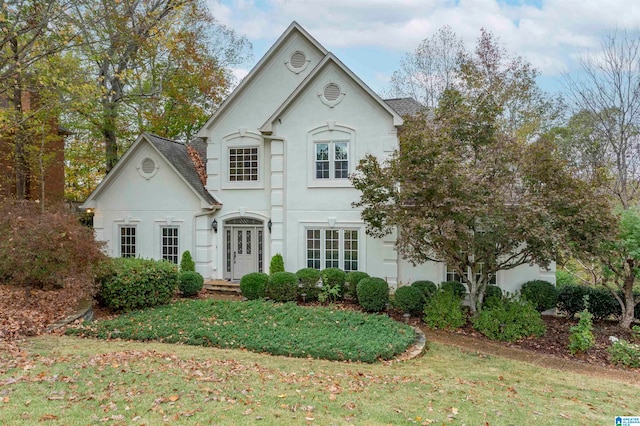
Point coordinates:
[[269, 225], [214, 226]]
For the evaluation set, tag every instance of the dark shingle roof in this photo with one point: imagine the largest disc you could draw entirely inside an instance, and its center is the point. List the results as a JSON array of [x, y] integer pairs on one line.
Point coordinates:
[[176, 154], [405, 106]]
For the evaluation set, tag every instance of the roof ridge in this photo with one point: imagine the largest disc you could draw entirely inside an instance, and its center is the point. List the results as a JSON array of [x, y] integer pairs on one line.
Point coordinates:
[[165, 139]]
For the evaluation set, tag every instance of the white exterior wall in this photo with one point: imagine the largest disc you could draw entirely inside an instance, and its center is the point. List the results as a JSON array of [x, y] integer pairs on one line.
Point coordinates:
[[164, 199]]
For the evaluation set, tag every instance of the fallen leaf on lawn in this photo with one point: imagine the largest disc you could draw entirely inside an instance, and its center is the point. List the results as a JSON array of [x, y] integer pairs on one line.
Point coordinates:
[[5, 399], [48, 417], [174, 398], [282, 396], [332, 397], [454, 410]]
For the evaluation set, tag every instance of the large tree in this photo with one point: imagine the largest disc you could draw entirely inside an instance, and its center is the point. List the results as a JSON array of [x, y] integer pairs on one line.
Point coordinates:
[[477, 184], [606, 129]]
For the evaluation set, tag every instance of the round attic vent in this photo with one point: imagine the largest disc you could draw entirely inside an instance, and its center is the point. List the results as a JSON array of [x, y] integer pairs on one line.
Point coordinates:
[[331, 92], [298, 60], [148, 166]]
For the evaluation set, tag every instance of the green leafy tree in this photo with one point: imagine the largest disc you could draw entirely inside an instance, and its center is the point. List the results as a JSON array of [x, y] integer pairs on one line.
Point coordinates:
[[478, 185]]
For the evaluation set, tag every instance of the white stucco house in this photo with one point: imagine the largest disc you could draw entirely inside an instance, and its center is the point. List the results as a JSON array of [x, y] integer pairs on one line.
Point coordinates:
[[277, 155]]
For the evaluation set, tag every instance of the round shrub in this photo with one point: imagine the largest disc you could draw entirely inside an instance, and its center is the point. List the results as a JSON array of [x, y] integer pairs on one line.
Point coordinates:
[[602, 304], [428, 288], [186, 262], [373, 294], [444, 310], [309, 283], [409, 300], [509, 320], [455, 287], [134, 283], [492, 295], [277, 264], [351, 281], [190, 283], [332, 277], [542, 294], [283, 287], [571, 299], [254, 285]]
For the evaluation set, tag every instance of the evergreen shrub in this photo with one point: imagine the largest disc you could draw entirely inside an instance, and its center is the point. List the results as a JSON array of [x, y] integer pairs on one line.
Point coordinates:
[[509, 320], [625, 353], [309, 283], [373, 294], [351, 281], [571, 299], [133, 283], [283, 287], [277, 264], [428, 288], [492, 295], [602, 304], [186, 262], [409, 300], [254, 285], [542, 294], [458, 289], [334, 278], [581, 337], [444, 310], [190, 283]]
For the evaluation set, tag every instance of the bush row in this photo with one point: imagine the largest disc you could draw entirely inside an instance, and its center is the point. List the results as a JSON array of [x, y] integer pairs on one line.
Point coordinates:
[[601, 303]]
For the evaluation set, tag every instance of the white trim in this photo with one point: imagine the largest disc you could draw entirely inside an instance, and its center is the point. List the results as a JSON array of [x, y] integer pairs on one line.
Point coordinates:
[[236, 140], [330, 133], [141, 171]]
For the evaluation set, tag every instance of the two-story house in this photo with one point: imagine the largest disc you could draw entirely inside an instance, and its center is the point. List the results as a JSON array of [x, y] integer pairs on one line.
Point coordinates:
[[277, 154]]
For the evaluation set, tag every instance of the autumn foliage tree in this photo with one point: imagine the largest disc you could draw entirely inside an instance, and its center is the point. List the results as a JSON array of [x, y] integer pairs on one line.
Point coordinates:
[[477, 185]]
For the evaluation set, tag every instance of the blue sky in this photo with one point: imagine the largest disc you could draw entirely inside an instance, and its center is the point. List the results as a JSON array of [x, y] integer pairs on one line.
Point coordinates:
[[371, 36]]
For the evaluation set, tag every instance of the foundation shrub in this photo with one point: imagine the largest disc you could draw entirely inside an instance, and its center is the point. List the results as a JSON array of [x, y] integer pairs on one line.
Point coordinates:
[[542, 294], [333, 280], [458, 289], [190, 283], [133, 283], [309, 279], [277, 264], [428, 288], [444, 310], [254, 285], [509, 320], [571, 299], [186, 262], [373, 294], [602, 304], [351, 281], [283, 287], [492, 295], [409, 300]]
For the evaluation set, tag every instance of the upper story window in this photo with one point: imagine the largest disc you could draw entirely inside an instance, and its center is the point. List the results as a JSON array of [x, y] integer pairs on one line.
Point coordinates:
[[243, 164], [332, 160]]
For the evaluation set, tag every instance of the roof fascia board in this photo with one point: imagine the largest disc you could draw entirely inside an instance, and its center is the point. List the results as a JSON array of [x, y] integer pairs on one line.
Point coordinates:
[[255, 70], [330, 57]]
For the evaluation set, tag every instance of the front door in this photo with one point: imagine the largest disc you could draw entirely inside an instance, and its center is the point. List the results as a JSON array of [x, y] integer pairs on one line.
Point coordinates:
[[244, 253]]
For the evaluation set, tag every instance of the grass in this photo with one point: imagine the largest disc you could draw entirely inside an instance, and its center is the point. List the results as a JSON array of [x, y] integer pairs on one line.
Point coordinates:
[[72, 381], [260, 326]]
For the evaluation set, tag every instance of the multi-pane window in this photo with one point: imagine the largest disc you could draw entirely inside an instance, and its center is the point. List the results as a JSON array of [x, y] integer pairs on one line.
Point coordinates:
[[451, 275], [128, 241], [243, 164], [332, 248], [169, 244], [332, 160]]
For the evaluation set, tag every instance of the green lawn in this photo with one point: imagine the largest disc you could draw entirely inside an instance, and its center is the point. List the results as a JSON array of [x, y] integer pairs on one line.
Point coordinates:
[[73, 381], [261, 326]]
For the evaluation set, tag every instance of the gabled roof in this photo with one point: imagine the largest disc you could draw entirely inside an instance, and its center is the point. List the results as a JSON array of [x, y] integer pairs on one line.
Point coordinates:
[[255, 70], [176, 155], [406, 106], [329, 58]]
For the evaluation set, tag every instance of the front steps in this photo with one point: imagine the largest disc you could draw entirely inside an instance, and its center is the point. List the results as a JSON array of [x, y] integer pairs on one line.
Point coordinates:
[[222, 286]]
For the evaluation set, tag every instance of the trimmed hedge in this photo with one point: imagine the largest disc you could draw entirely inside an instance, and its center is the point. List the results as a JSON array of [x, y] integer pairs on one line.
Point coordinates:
[[283, 287], [409, 300], [428, 288], [332, 277], [309, 279], [254, 285], [351, 281], [190, 283], [138, 283], [601, 303], [542, 294], [459, 289], [373, 294]]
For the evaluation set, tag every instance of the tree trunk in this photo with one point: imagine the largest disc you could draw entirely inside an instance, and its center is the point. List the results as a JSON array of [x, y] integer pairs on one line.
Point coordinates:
[[109, 135], [628, 306], [19, 155]]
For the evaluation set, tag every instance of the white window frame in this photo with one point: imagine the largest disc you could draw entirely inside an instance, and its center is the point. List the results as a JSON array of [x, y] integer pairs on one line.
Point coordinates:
[[176, 256], [451, 275], [243, 139], [331, 159], [325, 238], [253, 178], [330, 134], [121, 244]]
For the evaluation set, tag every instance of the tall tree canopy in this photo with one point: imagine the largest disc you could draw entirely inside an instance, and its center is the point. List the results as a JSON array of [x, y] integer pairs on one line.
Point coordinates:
[[478, 185]]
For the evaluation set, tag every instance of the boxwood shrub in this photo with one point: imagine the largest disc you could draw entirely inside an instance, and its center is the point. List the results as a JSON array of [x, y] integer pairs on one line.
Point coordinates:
[[444, 310], [409, 300], [309, 279], [571, 299], [601, 303], [542, 294], [428, 288], [138, 283], [351, 281], [254, 285], [283, 287], [492, 295], [509, 320], [456, 287], [373, 294], [190, 283], [332, 277]]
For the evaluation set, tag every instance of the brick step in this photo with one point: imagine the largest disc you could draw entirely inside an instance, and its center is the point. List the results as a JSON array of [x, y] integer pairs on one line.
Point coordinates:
[[222, 286]]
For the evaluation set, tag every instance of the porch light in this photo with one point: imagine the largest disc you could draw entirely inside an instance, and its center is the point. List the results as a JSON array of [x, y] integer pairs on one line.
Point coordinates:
[[89, 210], [214, 226], [269, 225]]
